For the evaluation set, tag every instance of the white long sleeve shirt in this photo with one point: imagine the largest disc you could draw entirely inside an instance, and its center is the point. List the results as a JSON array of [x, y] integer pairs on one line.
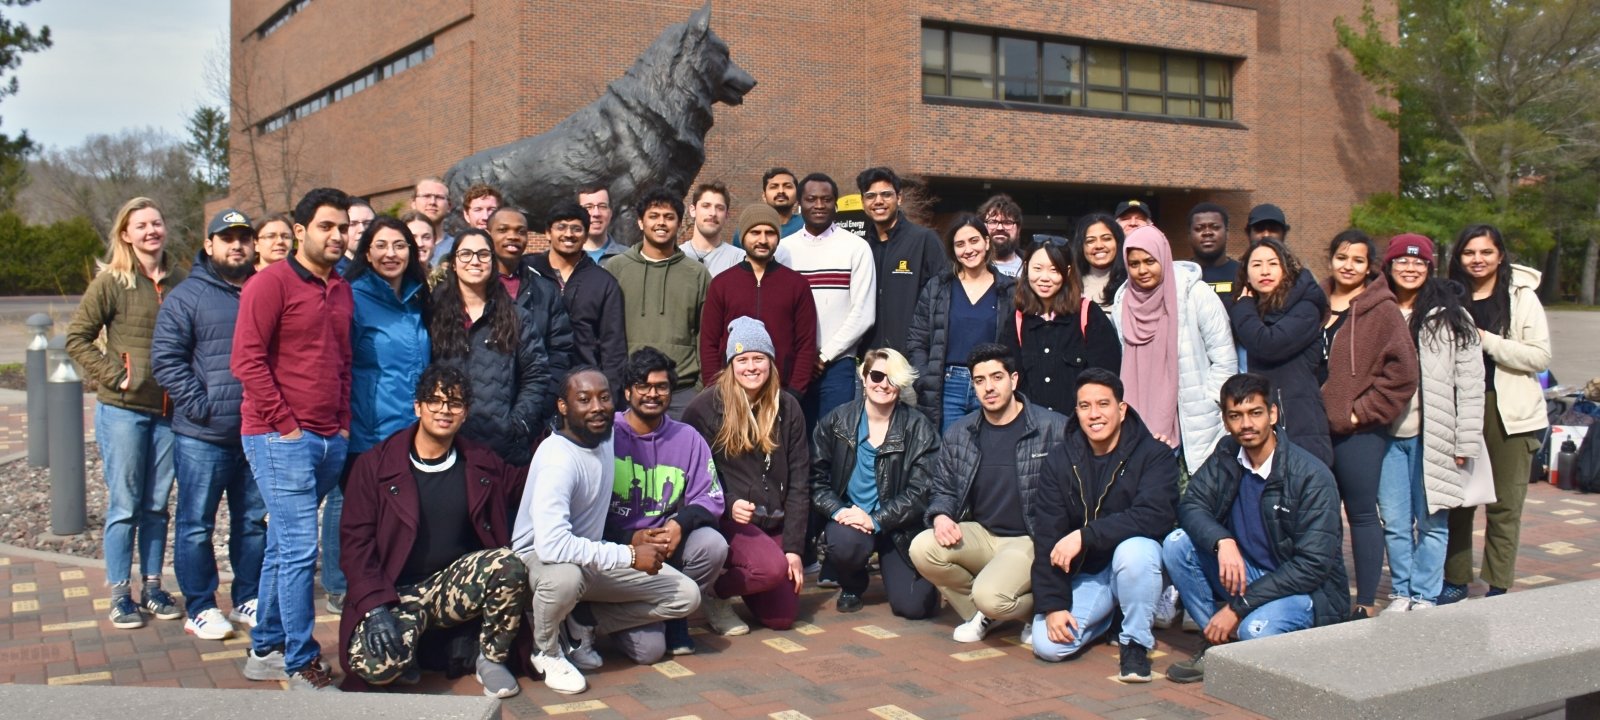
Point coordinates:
[[839, 268], [563, 511]]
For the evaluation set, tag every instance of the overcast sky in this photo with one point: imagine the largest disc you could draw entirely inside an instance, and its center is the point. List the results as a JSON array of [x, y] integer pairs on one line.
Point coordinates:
[[115, 64]]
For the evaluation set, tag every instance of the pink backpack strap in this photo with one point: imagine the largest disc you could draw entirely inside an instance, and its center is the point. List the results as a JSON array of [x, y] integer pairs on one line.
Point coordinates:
[[1019, 328], [1083, 318]]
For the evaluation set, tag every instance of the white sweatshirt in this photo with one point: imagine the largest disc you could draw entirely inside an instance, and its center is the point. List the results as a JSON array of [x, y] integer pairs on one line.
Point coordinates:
[[839, 268], [563, 511]]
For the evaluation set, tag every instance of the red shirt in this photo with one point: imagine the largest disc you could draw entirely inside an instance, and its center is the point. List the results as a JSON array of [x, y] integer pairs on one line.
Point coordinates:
[[782, 301], [291, 351]]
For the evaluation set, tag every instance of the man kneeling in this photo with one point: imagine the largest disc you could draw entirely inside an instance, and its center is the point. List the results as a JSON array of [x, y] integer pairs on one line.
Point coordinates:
[[1259, 533], [424, 537], [1105, 497]]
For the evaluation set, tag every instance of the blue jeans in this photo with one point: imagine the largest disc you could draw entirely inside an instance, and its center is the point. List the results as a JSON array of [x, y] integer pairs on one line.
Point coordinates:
[[293, 476], [332, 575], [136, 449], [1132, 581], [958, 396], [1194, 574], [205, 470], [836, 386], [1415, 539]]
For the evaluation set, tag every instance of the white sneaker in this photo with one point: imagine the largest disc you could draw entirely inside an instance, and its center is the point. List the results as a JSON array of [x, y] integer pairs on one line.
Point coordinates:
[[580, 646], [972, 630], [1166, 614], [244, 614], [1420, 604], [1397, 603], [1027, 633], [1189, 625], [209, 625], [559, 674], [721, 617]]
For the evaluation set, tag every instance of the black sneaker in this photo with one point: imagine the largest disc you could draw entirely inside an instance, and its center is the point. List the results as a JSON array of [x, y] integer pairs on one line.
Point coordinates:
[[1135, 664], [1188, 671], [1452, 593], [848, 603], [1495, 592], [679, 641], [160, 603], [1359, 613]]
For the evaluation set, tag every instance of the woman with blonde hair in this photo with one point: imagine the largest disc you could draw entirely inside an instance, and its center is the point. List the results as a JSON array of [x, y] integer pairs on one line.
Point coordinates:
[[757, 435], [869, 477], [132, 420]]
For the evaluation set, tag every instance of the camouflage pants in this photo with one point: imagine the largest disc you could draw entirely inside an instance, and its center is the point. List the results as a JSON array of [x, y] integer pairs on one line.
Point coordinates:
[[492, 584]]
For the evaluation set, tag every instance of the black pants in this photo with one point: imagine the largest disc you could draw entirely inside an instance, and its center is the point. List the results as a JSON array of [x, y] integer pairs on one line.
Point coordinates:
[[1357, 465], [910, 595]]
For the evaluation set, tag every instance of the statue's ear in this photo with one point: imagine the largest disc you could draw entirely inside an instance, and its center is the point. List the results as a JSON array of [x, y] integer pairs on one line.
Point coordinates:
[[700, 21]]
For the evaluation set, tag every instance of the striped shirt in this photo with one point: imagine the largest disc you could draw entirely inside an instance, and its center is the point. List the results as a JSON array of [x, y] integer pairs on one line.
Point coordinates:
[[838, 266]]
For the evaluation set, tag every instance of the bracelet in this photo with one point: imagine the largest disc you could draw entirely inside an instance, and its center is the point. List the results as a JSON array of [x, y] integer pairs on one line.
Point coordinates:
[[633, 556]]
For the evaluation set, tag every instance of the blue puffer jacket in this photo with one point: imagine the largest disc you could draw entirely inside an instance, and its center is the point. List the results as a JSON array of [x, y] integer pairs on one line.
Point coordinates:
[[189, 355], [388, 349]]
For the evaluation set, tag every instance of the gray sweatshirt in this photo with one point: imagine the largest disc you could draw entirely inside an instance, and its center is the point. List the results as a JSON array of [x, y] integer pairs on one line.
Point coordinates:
[[563, 511]]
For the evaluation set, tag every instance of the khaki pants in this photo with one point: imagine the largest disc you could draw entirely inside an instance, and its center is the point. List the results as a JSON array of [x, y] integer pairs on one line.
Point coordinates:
[[982, 573]]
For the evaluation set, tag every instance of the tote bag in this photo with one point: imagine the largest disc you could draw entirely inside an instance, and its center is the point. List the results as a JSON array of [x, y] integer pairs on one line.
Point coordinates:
[[1477, 481]]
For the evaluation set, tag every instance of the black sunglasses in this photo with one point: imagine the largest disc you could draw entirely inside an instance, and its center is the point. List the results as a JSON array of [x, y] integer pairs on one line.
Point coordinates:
[[877, 376]]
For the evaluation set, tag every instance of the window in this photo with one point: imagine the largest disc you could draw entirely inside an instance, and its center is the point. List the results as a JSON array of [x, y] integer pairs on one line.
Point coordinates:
[[279, 18], [975, 64], [387, 68]]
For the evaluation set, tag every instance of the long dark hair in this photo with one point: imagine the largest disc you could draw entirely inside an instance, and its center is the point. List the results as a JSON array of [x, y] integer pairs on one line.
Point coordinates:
[[448, 328], [1497, 317], [1066, 300], [1355, 237], [1119, 268], [971, 221], [1273, 301], [1437, 294], [416, 267]]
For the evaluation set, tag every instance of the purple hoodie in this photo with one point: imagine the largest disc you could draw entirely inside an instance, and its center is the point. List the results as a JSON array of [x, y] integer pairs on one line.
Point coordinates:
[[664, 475]]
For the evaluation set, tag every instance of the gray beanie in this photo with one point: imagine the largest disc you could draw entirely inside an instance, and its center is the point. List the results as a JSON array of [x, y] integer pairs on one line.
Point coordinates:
[[747, 334]]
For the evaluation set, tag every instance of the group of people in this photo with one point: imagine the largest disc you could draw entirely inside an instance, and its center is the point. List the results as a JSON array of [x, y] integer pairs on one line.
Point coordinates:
[[497, 455]]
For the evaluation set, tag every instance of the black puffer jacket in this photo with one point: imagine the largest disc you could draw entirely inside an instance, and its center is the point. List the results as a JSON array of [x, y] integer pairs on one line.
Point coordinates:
[[1136, 496], [951, 490], [929, 337], [1286, 346], [905, 465], [1301, 509], [594, 307], [510, 392], [541, 297]]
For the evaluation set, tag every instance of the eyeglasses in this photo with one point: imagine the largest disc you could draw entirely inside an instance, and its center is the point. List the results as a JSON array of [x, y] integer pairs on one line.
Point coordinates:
[[269, 237], [652, 388], [360, 223], [591, 207], [400, 246], [433, 197], [1054, 240], [999, 222], [467, 256], [454, 407], [870, 196], [1409, 262], [878, 377]]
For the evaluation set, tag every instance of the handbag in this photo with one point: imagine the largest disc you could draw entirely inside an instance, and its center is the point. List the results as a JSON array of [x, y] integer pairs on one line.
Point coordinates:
[[1477, 481]]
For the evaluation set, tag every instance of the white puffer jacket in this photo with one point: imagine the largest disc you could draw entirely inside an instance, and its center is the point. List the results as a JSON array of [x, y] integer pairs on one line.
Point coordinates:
[[1520, 356], [1206, 359], [1451, 391]]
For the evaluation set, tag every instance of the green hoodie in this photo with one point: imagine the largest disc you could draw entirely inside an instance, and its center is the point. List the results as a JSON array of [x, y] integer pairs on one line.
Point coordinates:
[[661, 300]]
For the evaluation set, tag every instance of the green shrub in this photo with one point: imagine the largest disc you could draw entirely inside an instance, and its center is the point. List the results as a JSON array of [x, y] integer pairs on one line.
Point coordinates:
[[55, 259]]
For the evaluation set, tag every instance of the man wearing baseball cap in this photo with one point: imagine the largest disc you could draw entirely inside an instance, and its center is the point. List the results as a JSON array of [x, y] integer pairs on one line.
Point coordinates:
[[189, 355], [1266, 221], [1134, 214]]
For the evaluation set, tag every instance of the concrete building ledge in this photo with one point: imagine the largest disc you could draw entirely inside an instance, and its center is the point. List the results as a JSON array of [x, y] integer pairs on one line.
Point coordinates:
[[1509, 656], [41, 701]]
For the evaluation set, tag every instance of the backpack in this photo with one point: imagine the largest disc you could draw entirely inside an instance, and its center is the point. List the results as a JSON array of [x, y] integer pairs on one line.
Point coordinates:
[[1587, 469], [1083, 322]]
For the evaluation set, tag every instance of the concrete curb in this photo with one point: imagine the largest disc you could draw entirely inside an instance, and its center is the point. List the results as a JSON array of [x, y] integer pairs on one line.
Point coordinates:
[[18, 551]]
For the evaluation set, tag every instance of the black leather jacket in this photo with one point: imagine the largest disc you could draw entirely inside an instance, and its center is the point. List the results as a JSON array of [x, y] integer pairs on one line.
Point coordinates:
[[905, 464]]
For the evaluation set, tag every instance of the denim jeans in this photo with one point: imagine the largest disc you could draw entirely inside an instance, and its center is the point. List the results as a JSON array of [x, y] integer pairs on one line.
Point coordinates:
[[293, 476], [958, 396], [136, 449], [836, 386], [205, 471], [332, 575], [1194, 573], [1415, 539], [1132, 581]]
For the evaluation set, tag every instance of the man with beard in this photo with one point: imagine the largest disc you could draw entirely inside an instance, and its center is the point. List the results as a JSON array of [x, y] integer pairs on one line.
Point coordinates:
[[780, 192], [1258, 549], [1132, 215], [1208, 238], [189, 356], [665, 493], [425, 545], [559, 537], [663, 292], [540, 296], [905, 254], [1003, 217], [767, 291], [709, 211], [1267, 221], [592, 298]]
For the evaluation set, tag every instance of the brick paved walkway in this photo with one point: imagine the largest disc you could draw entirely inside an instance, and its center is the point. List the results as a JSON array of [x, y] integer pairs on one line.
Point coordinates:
[[53, 630]]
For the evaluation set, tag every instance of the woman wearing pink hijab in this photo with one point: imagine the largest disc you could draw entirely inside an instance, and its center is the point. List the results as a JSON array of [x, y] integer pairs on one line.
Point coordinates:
[[1177, 346]]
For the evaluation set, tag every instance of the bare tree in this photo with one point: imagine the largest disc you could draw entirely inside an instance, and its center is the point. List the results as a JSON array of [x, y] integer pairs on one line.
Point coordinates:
[[266, 172]]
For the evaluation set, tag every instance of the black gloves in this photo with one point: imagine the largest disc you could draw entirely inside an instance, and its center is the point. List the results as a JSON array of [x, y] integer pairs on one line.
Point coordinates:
[[381, 633]]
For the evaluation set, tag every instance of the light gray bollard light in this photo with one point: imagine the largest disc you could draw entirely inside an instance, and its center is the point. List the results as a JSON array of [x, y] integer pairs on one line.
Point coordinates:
[[37, 373], [68, 514]]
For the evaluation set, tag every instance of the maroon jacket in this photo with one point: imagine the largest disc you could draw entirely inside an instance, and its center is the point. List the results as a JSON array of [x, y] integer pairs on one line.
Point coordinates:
[[1372, 364], [291, 351], [379, 524], [782, 300]]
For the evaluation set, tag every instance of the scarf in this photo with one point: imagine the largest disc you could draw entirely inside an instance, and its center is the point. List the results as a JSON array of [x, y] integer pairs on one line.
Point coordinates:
[[1150, 337]]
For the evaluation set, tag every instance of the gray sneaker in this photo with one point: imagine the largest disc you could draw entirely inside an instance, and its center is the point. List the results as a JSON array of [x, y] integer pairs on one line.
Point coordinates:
[[269, 667], [497, 681], [334, 603], [314, 677]]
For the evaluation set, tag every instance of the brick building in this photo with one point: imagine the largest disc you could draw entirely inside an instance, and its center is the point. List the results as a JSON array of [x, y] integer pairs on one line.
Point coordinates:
[[1068, 106]]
